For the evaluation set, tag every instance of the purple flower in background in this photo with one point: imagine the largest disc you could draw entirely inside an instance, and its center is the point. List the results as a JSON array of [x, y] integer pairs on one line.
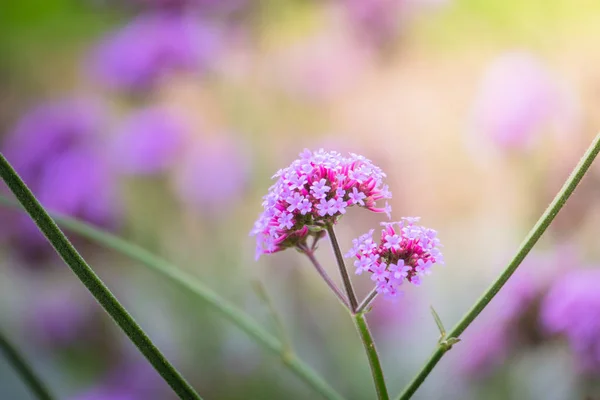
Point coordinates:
[[517, 98], [320, 67], [62, 317], [56, 150], [48, 131], [214, 174], [512, 314], [213, 6], [132, 379], [377, 20], [491, 342], [487, 348], [572, 308], [151, 47], [148, 142], [406, 253]]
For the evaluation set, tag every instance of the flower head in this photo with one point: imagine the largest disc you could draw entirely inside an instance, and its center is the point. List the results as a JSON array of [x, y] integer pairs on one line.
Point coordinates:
[[314, 190], [406, 252]]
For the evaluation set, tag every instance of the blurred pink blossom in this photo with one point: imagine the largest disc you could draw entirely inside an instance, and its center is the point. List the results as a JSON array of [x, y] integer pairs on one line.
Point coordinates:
[[148, 142], [572, 308], [152, 46], [517, 98], [214, 174]]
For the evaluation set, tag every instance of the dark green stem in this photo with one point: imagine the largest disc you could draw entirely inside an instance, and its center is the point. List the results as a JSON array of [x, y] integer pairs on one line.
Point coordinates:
[[343, 271], [19, 363], [360, 321], [94, 284], [203, 292], [362, 307], [311, 256], [532, 238], [369, 344]]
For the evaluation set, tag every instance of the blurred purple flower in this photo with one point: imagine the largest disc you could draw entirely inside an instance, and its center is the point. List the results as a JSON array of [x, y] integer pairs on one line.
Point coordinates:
[[491, 340], [487, 349], [320, 67], [148, 142], [62, 318], [48, 131], [214, 174], [132, 379], [377, 20], [572, 308], [216, 6], [55, 149], [380, 22], [151, 47], [517, 97]]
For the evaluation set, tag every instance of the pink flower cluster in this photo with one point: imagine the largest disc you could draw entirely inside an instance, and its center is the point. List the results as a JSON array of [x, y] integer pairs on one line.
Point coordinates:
[[314, 190], [406, 252]]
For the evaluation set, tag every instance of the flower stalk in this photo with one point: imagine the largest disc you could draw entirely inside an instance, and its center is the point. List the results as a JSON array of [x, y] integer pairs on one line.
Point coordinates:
[[202, 292], [532, 238], [363, 307], [343, 271], [360, 322], [16, 359], [93, 283], [311, 256]]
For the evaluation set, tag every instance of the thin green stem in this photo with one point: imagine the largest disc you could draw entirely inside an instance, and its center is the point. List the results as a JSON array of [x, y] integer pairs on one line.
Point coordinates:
[[367, 301], [203, 292], [532, 238], [16, 359], [94, 284], [342, 267], [360, 322], [311, 256], [371, 350], [286, 342]]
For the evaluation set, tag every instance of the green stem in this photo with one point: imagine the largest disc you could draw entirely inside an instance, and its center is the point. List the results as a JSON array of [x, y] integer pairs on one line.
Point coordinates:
[[286, 342], [204, 293], [369, 344], [367, 301], [94, 284], [532, 238], [360, 322], [311, 256], [342, 267], [22, 367]]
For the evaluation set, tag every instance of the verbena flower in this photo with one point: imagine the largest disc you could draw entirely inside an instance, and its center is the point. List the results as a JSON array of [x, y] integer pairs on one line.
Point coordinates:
[[151, 47], [148, 142], [572, 308], [406, 252], [314, 190]]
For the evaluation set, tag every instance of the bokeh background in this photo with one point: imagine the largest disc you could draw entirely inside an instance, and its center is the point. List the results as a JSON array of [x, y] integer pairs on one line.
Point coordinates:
[[163, 121]]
